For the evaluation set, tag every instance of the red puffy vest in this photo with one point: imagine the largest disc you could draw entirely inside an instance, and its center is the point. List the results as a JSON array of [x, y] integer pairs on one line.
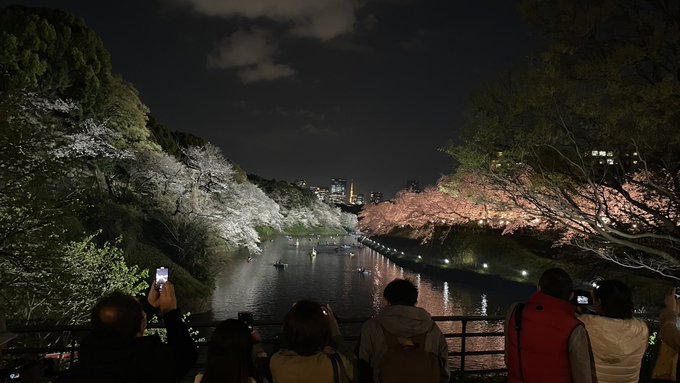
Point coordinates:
[[547, 323]]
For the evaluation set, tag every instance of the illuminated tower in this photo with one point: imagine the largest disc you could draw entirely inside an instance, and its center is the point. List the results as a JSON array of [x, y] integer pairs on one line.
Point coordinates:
[[351, 192]]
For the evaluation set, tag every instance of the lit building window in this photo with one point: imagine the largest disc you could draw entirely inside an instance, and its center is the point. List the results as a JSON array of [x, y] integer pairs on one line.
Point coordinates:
[[635, 162], [610, 161], [602, 153], [594, 153], [610, 154]]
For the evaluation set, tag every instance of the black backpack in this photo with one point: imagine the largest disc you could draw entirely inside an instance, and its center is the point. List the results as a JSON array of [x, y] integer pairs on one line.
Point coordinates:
[[406, 361]]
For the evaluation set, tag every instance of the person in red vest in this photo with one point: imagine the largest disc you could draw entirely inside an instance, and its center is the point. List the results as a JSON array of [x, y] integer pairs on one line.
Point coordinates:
[[544, 342]]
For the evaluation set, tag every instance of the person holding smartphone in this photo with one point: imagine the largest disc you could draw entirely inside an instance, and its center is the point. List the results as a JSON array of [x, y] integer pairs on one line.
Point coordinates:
[[544, 341], [313, 350], [234, 354], [118, 351], [618, 340]]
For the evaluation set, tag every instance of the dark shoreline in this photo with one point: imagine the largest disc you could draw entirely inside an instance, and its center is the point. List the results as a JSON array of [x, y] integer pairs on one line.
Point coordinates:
[[466, 277]]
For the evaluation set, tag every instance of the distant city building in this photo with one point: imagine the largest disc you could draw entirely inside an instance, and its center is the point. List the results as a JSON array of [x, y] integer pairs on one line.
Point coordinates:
[[376, 197], [321, 193], [629, 161], [413, 186], [300, 183], [603, 157], [357, 199], [632, 161], [338, 190]]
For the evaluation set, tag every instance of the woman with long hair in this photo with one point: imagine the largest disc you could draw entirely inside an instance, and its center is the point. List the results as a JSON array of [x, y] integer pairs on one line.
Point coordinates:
[[618, 340], [230, 355], [312, 348]]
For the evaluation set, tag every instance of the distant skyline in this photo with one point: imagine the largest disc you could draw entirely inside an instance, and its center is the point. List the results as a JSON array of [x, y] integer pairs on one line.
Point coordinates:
[[366, 90]]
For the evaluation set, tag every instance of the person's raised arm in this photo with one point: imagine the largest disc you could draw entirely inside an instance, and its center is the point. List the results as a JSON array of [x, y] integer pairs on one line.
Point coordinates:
[[337, 341], [581, 357], [180, 341], [668, 329], [150, 304]]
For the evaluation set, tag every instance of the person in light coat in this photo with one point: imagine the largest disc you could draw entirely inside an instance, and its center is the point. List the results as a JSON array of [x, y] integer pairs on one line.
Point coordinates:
[[618, 340]]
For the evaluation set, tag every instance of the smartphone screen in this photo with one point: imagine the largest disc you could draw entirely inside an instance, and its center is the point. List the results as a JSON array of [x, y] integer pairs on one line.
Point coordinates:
[[582, 298], [161, 277], [247, 318]]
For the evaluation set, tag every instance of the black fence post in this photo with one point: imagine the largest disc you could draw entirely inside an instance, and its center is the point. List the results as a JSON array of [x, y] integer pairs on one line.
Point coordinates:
[[463, 336]]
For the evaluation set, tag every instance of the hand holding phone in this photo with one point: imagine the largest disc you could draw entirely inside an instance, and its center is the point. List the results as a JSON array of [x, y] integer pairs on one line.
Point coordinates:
[[247, 318], [332, 319], [582, 298], [161, 277]]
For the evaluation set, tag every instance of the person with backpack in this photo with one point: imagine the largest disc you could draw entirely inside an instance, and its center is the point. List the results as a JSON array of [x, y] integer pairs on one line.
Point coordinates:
[[544, 341], [402, 343]]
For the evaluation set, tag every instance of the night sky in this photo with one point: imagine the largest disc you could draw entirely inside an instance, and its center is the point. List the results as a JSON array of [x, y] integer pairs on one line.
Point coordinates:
[[366, 90]]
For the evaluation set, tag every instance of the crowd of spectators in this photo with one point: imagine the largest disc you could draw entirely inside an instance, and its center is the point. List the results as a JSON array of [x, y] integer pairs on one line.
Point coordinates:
[[549, 338]]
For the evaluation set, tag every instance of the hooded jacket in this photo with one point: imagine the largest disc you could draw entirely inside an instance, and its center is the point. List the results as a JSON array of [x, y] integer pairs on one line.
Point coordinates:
[[403, 322], [618, 346]]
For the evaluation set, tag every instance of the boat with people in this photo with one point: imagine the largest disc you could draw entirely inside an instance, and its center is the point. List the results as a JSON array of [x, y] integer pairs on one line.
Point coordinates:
[[279, 265], [313, 252], [362, 271]]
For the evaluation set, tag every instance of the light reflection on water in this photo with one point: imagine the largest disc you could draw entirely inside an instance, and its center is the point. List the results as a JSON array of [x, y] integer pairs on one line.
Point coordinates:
[[332, 277]]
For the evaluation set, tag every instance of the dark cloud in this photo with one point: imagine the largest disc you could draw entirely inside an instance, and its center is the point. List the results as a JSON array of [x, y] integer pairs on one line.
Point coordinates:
[[320, 19], [252, 53]]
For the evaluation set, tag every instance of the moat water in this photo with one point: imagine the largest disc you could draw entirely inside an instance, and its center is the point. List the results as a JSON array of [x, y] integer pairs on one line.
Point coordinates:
[[332, 277]]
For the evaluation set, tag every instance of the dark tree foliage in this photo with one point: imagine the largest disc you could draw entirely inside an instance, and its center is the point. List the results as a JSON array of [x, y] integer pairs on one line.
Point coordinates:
[[284, 193], [52, 51], [48, 56], [184, 140], [587, 136], [163, 137]]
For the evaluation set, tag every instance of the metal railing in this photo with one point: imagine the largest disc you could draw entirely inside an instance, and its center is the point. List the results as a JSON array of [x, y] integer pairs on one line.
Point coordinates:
[[68, 351]]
